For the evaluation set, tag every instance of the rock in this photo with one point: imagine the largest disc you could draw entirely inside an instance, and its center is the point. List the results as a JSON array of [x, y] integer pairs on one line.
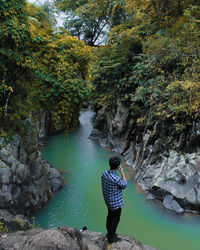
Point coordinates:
[[17, 147], [193, 137], [128, 157], [5, 174], [55, 177], [27, 181], [43, 126], [119, 121], [96, 134], [12, 223], [153, 151], [104, 142], [171, 204], [65, 238], [150, 197], [113, 127], [100, 121], [85, 105]]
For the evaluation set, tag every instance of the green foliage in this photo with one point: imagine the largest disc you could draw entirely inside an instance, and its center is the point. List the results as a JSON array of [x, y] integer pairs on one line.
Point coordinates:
[[113, 66], [33, 223], [63, 68], [3, 228], [91, 20], [20, 222], [14, 52], [39, 68], [152, 62]]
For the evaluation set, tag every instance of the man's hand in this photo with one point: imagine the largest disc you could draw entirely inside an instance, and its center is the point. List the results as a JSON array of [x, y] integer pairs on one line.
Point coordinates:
[[121, 169], [122, 173]]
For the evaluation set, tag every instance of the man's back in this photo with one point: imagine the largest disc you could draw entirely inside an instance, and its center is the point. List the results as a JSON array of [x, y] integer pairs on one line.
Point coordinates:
[[112, 186]]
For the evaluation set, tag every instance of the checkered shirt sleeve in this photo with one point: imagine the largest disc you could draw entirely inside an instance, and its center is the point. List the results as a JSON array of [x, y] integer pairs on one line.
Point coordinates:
[[112, 186]]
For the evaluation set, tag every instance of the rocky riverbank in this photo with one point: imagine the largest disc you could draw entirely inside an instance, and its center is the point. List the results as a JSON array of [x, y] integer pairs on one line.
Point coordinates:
[[167, 166]]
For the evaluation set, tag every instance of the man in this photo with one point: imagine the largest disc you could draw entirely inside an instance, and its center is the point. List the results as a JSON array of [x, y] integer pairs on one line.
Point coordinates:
[[112, 186]]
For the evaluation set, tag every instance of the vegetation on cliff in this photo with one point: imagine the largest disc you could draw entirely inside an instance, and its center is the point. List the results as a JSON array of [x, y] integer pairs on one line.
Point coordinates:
[[39, 68], [150, 60]]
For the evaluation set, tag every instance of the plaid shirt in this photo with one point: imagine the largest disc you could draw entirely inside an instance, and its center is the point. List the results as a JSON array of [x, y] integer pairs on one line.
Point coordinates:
[[112, 186]]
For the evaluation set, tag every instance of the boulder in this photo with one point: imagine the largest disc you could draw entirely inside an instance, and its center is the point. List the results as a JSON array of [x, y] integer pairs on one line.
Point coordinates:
[[171, 204], [27, 181]]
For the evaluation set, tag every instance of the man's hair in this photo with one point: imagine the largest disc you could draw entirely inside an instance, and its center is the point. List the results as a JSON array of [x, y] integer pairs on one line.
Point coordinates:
[[114, 162]]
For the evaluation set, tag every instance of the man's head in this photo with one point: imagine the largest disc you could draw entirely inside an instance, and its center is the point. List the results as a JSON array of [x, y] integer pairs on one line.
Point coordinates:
[[114, 162]]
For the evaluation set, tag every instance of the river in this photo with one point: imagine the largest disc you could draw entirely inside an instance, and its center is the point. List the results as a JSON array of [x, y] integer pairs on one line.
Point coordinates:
[[80, 203]]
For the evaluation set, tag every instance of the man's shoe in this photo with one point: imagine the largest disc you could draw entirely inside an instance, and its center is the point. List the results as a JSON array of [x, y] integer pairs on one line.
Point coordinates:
[[113, 239], [109, 238], [116, 239]]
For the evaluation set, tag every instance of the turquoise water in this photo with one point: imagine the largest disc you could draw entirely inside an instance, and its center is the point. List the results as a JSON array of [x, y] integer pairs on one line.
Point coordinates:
[[80, 203]]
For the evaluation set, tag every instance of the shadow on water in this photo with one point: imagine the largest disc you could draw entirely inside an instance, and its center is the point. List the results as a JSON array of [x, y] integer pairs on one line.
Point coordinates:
[[80, 201]]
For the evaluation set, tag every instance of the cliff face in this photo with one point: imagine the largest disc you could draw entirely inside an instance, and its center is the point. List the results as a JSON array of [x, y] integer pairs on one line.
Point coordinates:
[[166, 166], [27, 181], [45, 126]]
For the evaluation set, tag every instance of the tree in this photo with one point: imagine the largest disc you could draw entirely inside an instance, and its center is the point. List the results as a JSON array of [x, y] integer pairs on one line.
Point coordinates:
[[91, 20], [61, 72], [39, 68], [154, 52], [14, 53]]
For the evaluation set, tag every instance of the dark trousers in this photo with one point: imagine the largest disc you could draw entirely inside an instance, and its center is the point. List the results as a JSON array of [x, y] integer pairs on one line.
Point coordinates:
[[112, 222]]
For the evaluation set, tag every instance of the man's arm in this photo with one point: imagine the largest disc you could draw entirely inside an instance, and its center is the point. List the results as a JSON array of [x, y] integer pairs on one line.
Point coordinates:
[[122, 182]]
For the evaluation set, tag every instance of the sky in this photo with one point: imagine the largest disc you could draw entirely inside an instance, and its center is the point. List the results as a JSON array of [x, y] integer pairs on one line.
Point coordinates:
[[59, 18], [38, 1]]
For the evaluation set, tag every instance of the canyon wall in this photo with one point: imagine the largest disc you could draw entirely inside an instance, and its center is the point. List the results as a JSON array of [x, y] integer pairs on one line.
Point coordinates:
[[167, 166]]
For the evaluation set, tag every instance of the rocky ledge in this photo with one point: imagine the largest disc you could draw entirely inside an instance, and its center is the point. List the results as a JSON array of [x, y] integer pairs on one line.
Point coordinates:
[[65, 238]]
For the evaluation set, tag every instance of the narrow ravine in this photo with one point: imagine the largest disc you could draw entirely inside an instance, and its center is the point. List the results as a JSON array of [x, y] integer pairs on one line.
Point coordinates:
[[80, 203]]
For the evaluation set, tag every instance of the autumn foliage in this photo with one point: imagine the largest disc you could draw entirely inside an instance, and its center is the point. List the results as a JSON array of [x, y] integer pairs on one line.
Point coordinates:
[[150, 60], [153, 62], [39, 68]]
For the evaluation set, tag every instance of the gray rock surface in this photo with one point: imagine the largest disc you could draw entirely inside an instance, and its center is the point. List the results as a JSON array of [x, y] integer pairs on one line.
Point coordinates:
[[165, 164], [46, 126], [171, 204], [113, 125], [177, 175], [27, 181], [65, 238], [43, 126], [12, 223]]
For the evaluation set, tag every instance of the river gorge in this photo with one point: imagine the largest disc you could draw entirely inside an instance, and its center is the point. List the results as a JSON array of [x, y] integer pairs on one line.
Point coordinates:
[[80, 203]]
